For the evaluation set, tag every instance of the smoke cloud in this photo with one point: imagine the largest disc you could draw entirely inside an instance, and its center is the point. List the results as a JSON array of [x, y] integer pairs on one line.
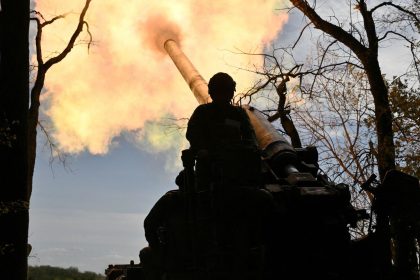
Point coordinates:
[[159, 29], [125, 83]]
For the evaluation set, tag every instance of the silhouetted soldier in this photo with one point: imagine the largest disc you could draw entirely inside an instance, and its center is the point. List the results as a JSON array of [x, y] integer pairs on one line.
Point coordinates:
[[219, 124], [222, 137], [218, 232], [164, 223]]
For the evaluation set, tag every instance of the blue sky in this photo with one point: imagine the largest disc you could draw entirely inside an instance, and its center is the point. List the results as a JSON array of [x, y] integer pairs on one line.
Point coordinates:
[[90, 214]]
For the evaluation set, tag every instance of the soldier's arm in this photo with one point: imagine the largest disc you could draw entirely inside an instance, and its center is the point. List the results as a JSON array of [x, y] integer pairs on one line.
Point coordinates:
[[156, 218], [196, 133]]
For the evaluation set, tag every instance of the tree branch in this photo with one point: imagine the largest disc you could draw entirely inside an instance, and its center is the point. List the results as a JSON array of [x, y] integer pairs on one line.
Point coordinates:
[[412, 48], [72, 40], [300, 34], [329, 28], [398, 7], [45, 23], [38, 41], [369, 27]]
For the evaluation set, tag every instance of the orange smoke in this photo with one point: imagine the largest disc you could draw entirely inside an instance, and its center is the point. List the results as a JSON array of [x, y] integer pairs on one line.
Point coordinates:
[[159, 29], [124, 84]]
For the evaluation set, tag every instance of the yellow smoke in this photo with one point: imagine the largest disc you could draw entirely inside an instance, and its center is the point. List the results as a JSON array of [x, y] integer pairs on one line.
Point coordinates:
[[123, 83]]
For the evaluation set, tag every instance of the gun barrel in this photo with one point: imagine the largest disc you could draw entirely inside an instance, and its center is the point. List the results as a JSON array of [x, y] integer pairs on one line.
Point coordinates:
[[277, 150], [194, 80], [266, 133], [274, 145]]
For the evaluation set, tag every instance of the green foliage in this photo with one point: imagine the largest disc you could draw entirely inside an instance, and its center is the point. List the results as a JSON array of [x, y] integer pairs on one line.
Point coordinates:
[[13, 206], [7, 136], [405, 105], [46, 272]]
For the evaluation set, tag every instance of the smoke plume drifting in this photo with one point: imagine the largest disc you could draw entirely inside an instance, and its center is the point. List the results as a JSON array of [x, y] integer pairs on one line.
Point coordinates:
[[125, 83], [160, 30]]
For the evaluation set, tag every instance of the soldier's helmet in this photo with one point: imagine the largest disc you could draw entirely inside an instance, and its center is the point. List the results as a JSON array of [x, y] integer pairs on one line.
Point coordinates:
[[221, 87]]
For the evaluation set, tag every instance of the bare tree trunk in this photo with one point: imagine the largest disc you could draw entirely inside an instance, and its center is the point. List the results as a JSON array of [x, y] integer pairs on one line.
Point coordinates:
[[14, 88], [383, 116], [33, 124]]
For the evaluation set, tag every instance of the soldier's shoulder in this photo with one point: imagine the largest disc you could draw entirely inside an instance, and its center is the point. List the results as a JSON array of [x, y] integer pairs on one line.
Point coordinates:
[[172, 193], [168, 199], [202, 108], [169, 195], [205, 106], [239, 110]]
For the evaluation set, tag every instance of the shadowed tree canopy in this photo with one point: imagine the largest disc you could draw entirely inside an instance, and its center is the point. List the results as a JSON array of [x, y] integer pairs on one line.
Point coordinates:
[[14, 88]]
